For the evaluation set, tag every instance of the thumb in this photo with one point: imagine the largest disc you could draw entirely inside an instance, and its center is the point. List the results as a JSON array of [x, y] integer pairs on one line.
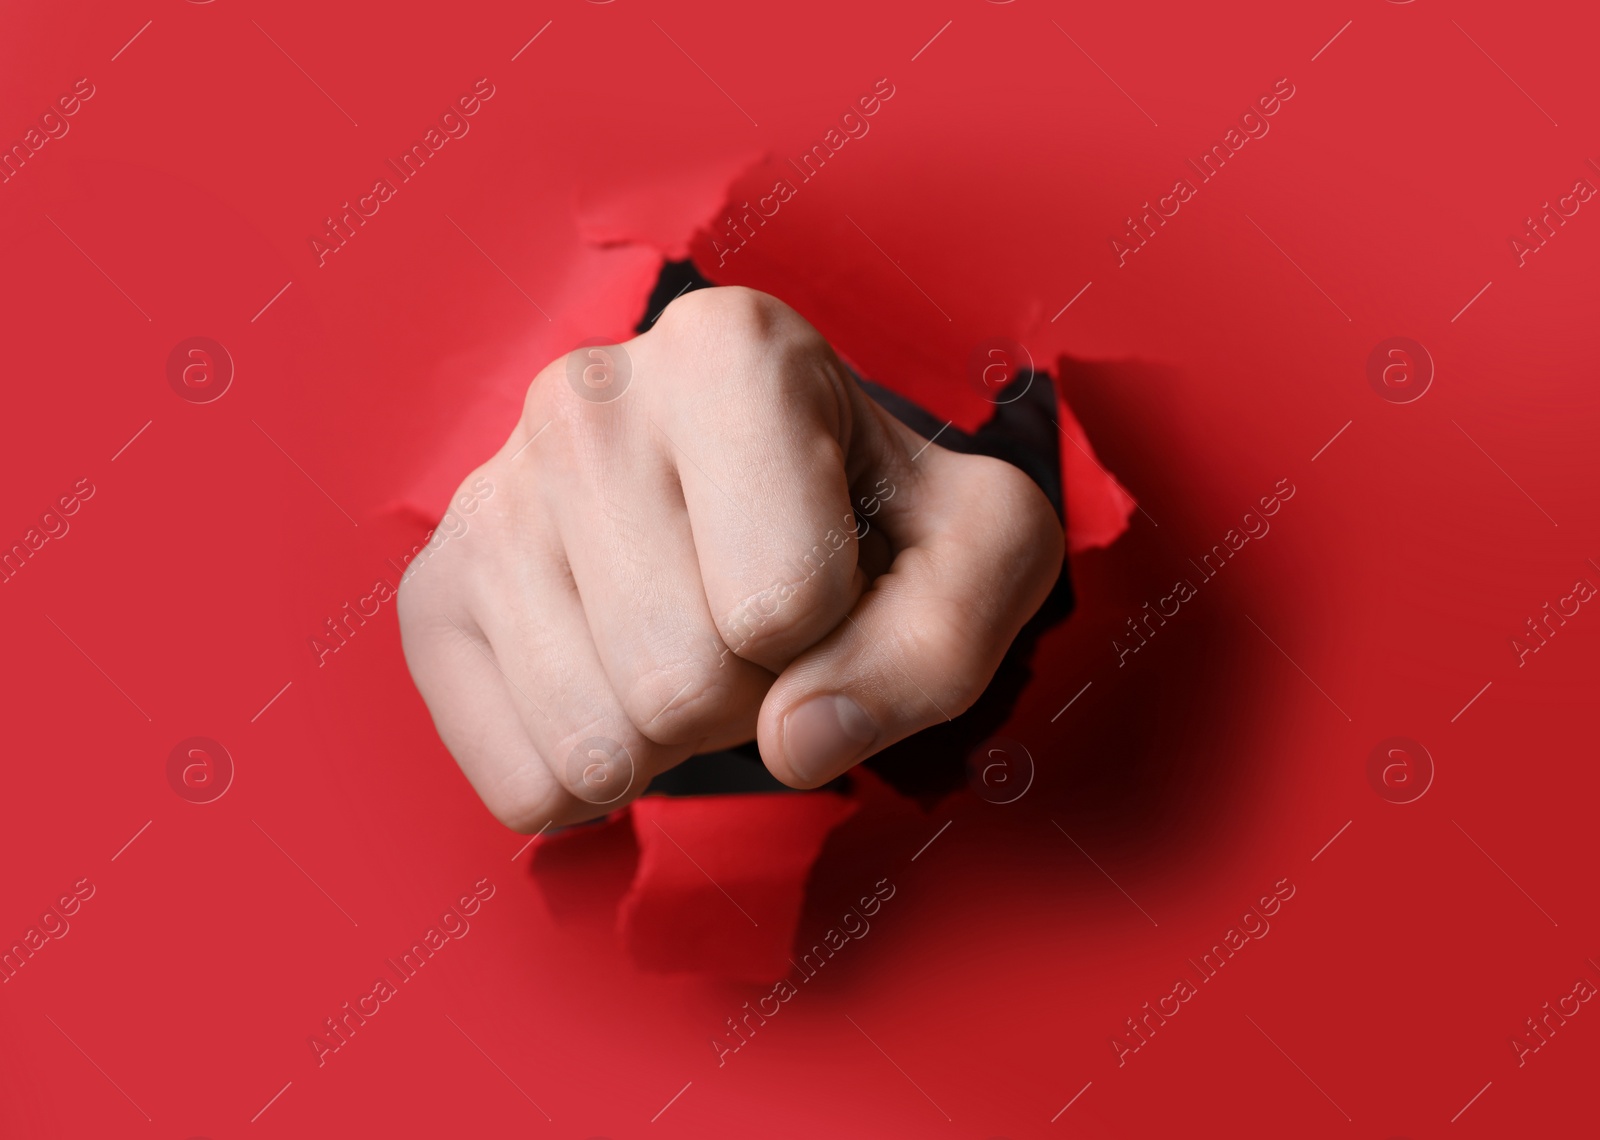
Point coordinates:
[[975, 548]]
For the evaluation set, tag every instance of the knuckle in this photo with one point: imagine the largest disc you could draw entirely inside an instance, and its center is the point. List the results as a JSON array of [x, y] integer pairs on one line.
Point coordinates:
[[677, 703], [1002, 485], [752, 356], [517, 787], [756, 337], [433, 566], [523, 811], [602, 767], [590, 775], [1022, 528], [729, 310], [539, 402], [557, 400], [568, 415], [410, 610], [779, 622], [950, 659], [757, 626]]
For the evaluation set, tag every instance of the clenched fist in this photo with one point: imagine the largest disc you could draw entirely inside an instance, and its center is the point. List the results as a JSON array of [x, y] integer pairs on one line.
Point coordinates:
[[709, 535]]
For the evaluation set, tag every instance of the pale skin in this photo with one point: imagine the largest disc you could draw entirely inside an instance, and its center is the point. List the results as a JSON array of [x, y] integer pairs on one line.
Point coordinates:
[[678, 570]]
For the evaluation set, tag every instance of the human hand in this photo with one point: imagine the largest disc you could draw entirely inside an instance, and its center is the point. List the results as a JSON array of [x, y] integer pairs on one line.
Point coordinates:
[[707, 535]]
